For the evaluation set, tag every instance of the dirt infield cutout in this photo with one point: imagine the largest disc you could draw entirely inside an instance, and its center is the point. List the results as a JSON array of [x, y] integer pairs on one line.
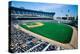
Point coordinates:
[[37, 24]]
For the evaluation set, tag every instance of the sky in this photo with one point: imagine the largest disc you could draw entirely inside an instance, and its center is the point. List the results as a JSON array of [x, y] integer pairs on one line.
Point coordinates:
[[59, 9]]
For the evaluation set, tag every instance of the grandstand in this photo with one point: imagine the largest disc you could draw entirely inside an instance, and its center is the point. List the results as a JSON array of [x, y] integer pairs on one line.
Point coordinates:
[[26, 13]]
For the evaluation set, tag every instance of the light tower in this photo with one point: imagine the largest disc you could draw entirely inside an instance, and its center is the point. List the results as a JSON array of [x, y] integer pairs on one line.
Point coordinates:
[[68, 14]]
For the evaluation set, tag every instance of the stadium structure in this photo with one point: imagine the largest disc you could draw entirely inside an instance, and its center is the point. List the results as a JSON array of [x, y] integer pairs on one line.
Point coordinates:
[[37, 31], [19, 12]]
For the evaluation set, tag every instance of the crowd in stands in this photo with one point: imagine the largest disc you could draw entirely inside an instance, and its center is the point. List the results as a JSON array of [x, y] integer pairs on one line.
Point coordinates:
[[24, 42]]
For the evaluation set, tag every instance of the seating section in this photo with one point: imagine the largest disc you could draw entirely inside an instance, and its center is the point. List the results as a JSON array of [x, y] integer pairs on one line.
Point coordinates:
[[23, 42]]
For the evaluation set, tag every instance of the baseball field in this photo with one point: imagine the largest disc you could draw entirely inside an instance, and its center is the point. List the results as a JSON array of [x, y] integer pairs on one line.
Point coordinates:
[[54, 31]]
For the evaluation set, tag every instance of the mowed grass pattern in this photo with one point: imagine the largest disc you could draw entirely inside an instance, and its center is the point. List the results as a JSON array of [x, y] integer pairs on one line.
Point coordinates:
[[58, 32]]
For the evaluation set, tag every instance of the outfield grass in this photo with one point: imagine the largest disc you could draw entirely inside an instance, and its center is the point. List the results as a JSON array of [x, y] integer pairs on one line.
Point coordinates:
[[58, 32]]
